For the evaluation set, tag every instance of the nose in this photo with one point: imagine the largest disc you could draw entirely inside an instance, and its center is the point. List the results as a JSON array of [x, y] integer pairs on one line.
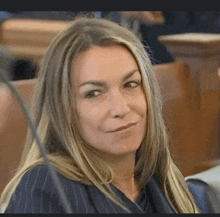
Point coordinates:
[[119, 106]]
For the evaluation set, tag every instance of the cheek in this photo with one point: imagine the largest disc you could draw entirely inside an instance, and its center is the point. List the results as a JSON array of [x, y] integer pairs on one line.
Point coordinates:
[[89, 126], [140, 104], [89, 118], [141, 107]]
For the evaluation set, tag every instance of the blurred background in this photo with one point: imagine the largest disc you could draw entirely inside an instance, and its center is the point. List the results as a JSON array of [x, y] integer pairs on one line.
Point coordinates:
[[147, 24]]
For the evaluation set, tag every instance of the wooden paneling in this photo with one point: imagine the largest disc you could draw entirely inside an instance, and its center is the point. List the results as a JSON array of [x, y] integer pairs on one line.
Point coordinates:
[[201, 53], [13, 128]]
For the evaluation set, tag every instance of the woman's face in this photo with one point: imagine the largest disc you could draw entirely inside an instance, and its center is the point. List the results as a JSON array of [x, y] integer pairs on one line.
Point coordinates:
[[110, 102]]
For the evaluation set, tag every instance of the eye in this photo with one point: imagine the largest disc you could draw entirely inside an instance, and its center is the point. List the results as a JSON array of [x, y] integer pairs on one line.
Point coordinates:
[[92, 94], [132, 84]]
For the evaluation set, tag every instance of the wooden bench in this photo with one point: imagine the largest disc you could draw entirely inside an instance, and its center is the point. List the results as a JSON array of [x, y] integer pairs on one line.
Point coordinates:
[[29, 38], [201, 51], [13, 128], [181, 116]]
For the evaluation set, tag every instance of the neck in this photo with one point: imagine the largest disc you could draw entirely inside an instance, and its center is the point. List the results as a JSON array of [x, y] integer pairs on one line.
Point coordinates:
[[123, 168]]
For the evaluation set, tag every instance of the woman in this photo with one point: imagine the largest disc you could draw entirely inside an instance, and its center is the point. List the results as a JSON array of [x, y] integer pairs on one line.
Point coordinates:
[[98, 109]]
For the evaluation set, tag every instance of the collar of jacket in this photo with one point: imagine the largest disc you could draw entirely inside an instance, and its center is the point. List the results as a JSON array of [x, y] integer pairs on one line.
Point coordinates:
[[156, 197]]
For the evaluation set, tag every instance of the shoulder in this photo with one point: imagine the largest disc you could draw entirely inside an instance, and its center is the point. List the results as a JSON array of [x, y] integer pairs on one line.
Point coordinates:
[[39, 177], [200, 191], [37, 193]]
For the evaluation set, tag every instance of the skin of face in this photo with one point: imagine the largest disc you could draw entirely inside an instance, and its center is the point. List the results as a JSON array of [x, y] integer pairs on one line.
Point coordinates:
[[108, 95]]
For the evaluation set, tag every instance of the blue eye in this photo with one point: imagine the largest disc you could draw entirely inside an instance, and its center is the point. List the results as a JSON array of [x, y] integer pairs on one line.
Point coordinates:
[[92, 94]]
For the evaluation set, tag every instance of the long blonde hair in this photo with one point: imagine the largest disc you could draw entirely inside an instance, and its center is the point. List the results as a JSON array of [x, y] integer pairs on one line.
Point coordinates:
[[52, 111]]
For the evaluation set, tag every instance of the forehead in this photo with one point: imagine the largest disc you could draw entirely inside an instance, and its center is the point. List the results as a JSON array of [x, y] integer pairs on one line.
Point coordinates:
[[102, 63]]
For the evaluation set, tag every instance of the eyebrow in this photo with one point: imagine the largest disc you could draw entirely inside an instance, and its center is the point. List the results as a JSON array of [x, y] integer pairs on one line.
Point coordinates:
[[102, 83]]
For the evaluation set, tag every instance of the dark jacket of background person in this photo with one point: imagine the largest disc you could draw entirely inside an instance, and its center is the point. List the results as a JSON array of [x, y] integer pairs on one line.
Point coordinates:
[[177, 22]]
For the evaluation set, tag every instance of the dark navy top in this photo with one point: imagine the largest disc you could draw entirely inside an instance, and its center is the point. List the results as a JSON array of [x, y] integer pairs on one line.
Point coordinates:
[[36, 193]]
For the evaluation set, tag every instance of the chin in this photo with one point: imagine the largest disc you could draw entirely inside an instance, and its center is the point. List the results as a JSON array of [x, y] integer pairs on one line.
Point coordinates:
[[124, 147]]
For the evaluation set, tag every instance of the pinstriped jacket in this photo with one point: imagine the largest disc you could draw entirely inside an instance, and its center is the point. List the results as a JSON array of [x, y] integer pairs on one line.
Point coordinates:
[[36, 193]]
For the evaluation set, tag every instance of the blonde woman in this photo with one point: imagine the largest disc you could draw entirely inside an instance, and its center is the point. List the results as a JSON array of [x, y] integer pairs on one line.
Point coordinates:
[[98, 111]]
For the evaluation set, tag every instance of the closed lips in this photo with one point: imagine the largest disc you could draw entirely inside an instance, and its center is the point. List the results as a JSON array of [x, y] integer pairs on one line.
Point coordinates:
[[124, 127]]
